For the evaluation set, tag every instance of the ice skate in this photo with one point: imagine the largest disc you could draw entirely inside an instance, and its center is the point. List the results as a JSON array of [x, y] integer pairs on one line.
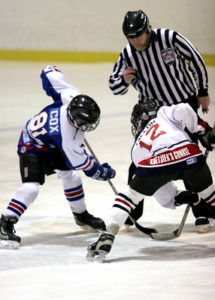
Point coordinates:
[[97, 251], [8, 239], [86, 221], [203, 225]]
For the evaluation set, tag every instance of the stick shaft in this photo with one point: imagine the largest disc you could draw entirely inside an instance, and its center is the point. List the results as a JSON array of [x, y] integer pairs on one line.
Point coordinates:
[[93, 154], [145, 230]]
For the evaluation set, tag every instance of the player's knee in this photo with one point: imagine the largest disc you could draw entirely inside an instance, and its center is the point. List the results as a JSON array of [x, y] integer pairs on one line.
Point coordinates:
[[135, 196], [64, 174], [31, 190], [70, 178]]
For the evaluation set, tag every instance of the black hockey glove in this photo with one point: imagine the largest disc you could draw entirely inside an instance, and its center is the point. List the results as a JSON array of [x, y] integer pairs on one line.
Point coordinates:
[[101, 172], [185, 197], [207, 139]]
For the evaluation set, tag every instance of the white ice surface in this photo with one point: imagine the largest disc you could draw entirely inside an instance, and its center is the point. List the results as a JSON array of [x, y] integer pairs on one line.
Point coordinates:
[[51, 261]]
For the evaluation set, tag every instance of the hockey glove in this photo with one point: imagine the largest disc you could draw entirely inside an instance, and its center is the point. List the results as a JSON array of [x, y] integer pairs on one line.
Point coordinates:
[[101, 172], [186, 197], [207, 139]]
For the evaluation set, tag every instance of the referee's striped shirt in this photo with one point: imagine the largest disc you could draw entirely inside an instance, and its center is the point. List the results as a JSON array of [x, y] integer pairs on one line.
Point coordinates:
[[161, 69]]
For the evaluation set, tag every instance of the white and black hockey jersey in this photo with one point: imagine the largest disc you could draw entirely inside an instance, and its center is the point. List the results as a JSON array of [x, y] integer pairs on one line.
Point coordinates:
[[161, 69], [163, 146]]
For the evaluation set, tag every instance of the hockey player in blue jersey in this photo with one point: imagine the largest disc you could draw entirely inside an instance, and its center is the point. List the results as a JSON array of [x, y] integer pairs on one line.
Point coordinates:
[[53, 142]]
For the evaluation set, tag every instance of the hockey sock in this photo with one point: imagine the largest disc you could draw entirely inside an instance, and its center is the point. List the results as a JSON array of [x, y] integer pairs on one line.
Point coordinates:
[[22, 199]]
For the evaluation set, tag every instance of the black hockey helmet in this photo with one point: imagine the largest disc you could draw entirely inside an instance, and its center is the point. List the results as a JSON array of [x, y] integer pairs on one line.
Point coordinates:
[[135, 23], [84, 112], [141, 114]]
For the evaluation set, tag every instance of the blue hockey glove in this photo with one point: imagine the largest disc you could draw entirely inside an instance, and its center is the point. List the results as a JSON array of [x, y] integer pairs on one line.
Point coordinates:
[[101, 172]]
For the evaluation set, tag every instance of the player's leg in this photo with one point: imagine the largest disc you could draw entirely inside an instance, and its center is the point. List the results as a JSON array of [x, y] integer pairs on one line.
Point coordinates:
[[170, 197], [138, 211], [123, 205], [73, 190], [74, 193], [31, 170], [125, 202], [201, 182]]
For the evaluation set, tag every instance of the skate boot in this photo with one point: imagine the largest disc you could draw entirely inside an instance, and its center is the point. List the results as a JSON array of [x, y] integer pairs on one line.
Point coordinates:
[[98, 250], [8, 239], [204, 214], [87, 220], [203, 225]]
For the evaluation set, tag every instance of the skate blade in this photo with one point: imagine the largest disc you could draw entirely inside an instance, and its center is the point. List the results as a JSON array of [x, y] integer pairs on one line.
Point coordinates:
[[87, 228], [6, 244], [99, 256], [204, 228], [128, 228]]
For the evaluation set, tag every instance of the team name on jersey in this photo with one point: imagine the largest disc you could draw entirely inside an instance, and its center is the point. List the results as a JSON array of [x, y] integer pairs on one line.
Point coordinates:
[[54, 122], [170, 157]]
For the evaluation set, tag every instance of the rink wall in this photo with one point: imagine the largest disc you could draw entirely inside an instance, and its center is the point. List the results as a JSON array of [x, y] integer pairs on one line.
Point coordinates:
[[90, 31]]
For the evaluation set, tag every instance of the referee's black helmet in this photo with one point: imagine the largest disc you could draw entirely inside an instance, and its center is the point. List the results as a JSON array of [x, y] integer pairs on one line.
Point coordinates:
[[135, 23]]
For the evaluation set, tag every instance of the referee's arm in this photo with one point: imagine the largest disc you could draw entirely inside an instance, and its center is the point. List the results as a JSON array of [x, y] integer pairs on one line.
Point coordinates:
[[195, 63], [117, 83]]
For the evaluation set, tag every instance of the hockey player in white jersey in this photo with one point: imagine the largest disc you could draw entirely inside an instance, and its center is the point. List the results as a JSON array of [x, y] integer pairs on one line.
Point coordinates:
[[53, 142], [162, 153]]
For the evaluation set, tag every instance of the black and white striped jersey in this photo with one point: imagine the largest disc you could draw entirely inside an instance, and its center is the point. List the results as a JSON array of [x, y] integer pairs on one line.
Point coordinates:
[[163, 69]]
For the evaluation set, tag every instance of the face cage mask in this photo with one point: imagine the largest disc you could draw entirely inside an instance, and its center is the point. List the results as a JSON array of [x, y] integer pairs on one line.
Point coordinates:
[[138, 126], [88, 126]]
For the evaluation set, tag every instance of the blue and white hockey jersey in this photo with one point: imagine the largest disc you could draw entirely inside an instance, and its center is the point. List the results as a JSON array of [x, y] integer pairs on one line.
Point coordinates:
[[55, 85], [51, 128]]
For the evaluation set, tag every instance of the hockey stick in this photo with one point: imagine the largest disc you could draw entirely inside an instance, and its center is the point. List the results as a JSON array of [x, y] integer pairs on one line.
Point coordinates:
[[145, 230], [172, 235], [175, 234]]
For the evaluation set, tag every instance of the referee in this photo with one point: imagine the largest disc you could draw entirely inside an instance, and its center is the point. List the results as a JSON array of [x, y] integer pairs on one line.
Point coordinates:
[[161, 64]]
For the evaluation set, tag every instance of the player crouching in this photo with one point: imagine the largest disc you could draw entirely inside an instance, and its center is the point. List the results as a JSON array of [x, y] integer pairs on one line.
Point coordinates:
[[162, 153], [47, 147]]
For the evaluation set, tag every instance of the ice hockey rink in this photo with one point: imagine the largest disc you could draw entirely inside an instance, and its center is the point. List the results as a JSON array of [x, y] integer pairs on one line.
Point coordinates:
[[51, 261]]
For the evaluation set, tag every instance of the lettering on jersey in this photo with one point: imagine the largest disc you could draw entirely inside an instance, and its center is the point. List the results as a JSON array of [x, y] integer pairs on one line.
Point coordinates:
[[170, 157], [168, 56], [183, 153], [54, 122]]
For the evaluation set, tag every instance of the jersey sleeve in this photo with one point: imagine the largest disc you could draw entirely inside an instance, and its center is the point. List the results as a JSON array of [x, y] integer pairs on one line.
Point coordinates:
[[195, 62], [184, 116], [55, 85], [116, 81], [71, 142]]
